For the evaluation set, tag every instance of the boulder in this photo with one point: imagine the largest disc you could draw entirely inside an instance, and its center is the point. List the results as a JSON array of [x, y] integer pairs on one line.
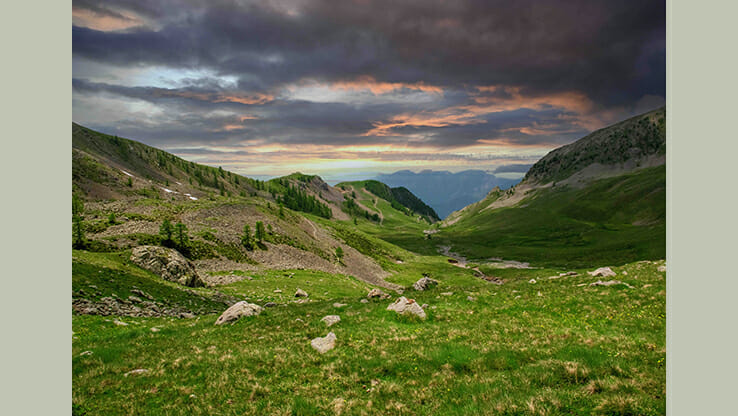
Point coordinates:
[[406, 306], [602, 272], [238, 310], [425, 283], [610, 283], [301, 293], [331, 319], [167, 263], [270, 305], [377, 293], [325, 343]]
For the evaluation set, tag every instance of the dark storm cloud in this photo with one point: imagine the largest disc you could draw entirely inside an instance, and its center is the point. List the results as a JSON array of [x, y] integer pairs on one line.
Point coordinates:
[[420, 74], [614, 51]]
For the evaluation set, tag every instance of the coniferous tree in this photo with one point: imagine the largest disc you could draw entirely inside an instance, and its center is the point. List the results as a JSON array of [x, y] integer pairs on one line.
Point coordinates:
[[259, 231], [165, 231], [246, 237], [111, 218], [79, 232], [181, 233]]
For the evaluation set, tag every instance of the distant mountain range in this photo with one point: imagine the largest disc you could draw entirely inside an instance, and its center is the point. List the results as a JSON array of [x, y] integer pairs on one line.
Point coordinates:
[[444, 191]]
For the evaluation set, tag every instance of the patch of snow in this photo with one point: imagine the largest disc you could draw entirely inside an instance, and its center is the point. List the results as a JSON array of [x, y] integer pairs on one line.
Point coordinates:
[[127, 173], [169, 191]]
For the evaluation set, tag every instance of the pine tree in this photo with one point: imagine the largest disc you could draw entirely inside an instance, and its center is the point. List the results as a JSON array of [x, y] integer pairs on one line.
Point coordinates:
[[281, 210], [259, 231], [130, 182], [166, 232], [182, 237], [79, 232], [246, 237], [111, 218]]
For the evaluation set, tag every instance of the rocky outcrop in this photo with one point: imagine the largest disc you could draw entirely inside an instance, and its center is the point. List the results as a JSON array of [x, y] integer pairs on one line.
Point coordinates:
[[602, 272], [125, 307], [301, 294], [167, 263], [325, 343], [425, 283], [331, 319], [237, 311], [610, 283], [405, 306], [377, 294]]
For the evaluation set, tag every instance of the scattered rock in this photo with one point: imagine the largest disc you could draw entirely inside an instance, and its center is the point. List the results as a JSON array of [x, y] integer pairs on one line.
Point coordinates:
[[277, 291], [602, 272], [168, 263], [661, 269], [339, 305], [539, 293], [447, 293], [407, 306], [610, 283], [532, 281], [141, 293], [568, 274], [301, 293], [238, 310], [424, 284], [119, 323], [270, 305], [377, 293], [364, 301], [331, 319], [624, 272], [471, 298], [86, 353], [136, 372], [325, 343], [646, 286], [135, 299], [425, 305], [155, 329]]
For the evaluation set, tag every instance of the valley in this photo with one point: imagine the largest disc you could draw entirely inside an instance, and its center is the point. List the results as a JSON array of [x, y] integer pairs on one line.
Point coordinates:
[[516, 323]]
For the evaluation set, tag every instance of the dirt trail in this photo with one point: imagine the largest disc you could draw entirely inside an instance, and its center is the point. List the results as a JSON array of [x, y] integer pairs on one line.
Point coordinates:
[[381, 215]]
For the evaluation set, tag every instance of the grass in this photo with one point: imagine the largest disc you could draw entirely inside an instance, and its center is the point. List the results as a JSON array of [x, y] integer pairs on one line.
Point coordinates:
[[613, 221], [572, 350]]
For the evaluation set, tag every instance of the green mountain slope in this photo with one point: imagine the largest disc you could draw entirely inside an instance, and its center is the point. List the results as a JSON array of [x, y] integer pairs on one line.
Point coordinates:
[[400, 198], [601, 199]]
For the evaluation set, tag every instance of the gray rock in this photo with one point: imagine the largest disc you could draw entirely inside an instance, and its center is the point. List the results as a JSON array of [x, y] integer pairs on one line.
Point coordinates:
[[325, 343], [532, 281], [339, 305], [378, 294], [277, 291], [425, 305], [134, 299], [425, 283], [661, 269], [301, 293], [610, 283], [238, 310], [364, 301], [405, 306], [331, 319], [471, 298], [136, 372], [602, 272], [167, 263], [270, 305], [142, 294], [86, 353]]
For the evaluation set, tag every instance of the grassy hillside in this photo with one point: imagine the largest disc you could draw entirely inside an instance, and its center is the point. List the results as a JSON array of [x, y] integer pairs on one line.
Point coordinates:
[[554, 347], [632, 140], [399, 198], [612, 221]]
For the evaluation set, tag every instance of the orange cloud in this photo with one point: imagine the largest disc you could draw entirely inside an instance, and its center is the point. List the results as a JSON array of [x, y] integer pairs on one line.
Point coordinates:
[[512, 99], [104, 22], [376, 87], [256, 98]]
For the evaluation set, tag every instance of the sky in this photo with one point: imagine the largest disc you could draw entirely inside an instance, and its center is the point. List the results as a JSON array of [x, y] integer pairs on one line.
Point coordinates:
[[352, 87]]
